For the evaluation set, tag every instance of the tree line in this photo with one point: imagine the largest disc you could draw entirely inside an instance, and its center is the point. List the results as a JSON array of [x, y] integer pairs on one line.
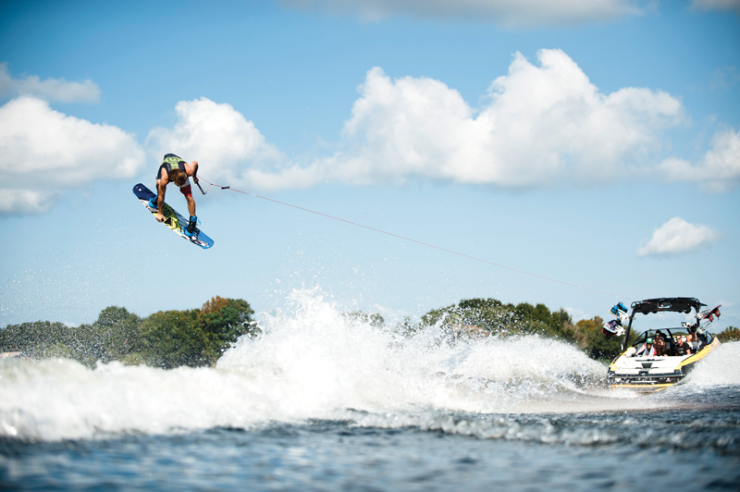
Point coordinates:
[[198, 337], [479, 318], [194, 337]]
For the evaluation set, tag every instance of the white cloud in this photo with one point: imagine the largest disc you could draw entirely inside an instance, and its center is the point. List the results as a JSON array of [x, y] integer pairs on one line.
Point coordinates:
[[542, 125], [717, 171], [49, 89], [44, 153], [717, 5], [678, 236], [504, 12], [218, 137]]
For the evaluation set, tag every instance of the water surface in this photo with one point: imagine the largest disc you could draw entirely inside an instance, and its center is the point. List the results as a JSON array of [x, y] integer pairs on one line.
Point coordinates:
[[321, 402]]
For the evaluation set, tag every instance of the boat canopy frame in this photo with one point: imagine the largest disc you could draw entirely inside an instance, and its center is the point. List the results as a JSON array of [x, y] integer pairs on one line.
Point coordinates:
[[661, 304]]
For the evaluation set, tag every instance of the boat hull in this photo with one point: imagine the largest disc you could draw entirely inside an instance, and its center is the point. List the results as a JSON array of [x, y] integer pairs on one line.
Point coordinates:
[[651, 374]]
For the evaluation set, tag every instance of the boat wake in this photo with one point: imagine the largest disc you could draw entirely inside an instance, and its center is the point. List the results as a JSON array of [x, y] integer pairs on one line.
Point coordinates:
[[313, 362]]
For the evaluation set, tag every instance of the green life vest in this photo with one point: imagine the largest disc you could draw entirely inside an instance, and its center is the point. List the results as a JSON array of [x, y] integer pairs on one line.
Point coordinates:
[[170, 162]]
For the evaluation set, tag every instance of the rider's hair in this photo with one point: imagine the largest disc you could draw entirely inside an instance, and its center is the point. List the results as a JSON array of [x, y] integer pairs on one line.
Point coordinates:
[[178, 176]]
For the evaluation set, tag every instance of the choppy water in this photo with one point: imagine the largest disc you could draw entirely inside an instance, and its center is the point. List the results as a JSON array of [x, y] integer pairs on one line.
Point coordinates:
[[320, 402]]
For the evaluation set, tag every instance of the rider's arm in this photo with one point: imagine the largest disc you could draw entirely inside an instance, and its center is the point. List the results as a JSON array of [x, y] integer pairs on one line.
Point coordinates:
[[195, 171], [161, 189], [162, 186]]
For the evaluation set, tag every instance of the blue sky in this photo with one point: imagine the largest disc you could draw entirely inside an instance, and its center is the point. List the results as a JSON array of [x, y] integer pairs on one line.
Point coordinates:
[[592, 142]]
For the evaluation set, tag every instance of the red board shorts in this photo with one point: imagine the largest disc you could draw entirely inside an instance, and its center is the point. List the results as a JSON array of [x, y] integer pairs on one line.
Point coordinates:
[[186, 189]]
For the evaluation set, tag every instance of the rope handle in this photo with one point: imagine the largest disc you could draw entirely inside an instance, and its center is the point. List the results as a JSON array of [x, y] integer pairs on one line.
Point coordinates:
[[209, 186]]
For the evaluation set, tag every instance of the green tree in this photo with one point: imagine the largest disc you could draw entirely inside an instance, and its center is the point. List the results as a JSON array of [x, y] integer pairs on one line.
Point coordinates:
[[173, 338], [114, 335], [196, 337], [729, 334], [223, 321], [489, 315], [118, 333], [587, 334], [36, 339], [474, 316], [165, 339], [406, 328]]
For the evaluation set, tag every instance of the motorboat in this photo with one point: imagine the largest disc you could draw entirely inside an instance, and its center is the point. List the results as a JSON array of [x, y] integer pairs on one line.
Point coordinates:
[[659, 357]]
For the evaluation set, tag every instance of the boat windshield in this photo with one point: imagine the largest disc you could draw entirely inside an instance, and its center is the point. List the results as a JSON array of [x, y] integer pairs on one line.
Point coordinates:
[[670, 333]]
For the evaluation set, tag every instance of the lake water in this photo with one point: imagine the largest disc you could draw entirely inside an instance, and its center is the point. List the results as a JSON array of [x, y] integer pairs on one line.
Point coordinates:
[[320, 402]]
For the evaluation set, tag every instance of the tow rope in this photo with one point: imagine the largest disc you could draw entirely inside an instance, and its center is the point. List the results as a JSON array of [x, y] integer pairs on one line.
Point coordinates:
[[407, 239]]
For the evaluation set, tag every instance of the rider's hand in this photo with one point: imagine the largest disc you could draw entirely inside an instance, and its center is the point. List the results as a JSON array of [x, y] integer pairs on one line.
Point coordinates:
[[195, 178], [160, 217]]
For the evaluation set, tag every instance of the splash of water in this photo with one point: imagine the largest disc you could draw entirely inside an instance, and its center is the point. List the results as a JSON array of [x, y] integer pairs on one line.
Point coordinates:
[[314, 362], [720, 368]]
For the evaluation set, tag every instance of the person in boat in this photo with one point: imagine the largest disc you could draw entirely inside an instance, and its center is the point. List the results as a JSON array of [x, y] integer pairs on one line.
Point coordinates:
[[175, 170], [693, 339], [647, 349], [682, 348], [660, 345]]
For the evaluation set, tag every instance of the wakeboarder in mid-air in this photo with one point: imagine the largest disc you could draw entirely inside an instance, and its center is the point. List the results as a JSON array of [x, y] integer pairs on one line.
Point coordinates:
[[175, 170]]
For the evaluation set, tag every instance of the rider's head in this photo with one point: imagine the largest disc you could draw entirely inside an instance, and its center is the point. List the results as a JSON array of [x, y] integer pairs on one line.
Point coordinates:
[[178, 176]]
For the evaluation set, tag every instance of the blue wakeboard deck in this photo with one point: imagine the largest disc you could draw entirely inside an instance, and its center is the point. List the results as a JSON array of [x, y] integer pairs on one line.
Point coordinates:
[[173, 220]]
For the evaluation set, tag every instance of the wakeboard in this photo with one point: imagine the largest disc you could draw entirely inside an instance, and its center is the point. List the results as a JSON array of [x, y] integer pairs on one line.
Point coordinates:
[[172, 219]]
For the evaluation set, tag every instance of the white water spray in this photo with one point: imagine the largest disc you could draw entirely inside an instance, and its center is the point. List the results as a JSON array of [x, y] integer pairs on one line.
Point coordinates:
[[313, 362]]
